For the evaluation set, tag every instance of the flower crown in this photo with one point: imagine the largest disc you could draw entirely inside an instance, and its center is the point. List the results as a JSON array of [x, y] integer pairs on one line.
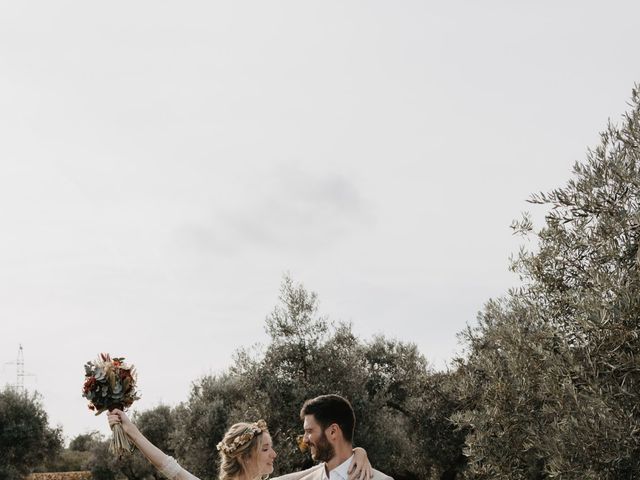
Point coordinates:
[[245, 437]]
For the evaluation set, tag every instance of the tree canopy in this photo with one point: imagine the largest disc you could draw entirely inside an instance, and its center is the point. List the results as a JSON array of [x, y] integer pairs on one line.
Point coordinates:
[[554, 370], [26, 439]]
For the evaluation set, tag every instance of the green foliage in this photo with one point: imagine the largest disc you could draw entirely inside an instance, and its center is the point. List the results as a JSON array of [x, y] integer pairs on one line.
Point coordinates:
[[102, 464], [69, 461], [85, 441], [213, 405], [26, 440], [553, 376], [77, 457], [157, 424], [506, 378]]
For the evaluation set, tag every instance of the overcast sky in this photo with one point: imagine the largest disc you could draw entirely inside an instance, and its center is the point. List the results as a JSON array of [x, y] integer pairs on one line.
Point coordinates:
[[163, 164]]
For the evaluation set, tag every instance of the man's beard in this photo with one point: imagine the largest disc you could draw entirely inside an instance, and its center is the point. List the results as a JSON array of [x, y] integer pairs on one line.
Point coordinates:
[[324, 451]]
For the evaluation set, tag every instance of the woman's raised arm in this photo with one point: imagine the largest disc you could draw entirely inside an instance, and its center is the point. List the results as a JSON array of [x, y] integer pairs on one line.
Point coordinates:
[[164, 463]]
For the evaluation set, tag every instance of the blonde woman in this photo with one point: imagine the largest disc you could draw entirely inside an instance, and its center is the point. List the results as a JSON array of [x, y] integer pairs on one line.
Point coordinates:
[[246, 453]]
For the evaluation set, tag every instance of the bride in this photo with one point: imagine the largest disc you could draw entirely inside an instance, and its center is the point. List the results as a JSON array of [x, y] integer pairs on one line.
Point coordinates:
[[246, 453]]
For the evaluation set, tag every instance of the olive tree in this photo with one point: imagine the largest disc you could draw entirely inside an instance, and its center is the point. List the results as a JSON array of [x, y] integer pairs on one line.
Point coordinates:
[[26, 439], [553, 370]]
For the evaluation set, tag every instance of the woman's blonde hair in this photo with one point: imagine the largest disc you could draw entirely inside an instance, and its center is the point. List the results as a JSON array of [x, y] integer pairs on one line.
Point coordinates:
[[239, 445]]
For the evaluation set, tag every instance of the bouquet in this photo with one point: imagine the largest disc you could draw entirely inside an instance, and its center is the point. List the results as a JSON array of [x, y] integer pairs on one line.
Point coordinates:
[[302, 445], [111, 383]]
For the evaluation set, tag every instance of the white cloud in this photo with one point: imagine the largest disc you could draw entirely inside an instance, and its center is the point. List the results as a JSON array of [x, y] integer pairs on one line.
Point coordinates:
[[290, 209]]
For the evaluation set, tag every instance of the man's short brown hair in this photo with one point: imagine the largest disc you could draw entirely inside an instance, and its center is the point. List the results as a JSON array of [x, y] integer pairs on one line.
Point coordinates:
[[330, 409]]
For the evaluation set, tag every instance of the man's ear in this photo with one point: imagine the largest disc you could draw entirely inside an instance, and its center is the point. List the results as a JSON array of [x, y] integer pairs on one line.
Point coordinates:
[[334, 431]]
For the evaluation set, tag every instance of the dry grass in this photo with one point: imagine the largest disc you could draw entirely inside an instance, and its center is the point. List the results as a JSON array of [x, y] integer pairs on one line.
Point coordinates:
[[86, 475]]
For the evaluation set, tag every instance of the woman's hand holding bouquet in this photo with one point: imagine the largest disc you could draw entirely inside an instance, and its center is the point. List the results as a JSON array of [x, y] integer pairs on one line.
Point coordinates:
[[111, 384]]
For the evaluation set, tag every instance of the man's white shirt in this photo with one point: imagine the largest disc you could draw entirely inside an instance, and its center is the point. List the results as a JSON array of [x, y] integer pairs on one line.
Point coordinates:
[[338, 473]]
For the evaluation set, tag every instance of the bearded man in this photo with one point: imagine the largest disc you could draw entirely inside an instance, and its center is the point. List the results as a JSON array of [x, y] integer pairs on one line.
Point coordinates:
[[329, 423]]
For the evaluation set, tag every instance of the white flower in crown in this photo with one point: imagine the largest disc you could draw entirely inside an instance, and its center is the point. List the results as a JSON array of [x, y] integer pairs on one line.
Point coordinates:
[[245, 437]]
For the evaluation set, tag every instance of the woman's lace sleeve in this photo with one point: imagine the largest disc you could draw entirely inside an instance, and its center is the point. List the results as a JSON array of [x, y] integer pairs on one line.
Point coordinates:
[[170, 468]]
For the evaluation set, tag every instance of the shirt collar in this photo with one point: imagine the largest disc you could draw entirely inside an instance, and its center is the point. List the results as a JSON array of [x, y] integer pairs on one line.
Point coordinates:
[[340, 472]]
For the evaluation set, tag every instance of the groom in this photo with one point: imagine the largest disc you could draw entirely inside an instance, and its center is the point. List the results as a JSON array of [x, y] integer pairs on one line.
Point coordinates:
[[329, 423]]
